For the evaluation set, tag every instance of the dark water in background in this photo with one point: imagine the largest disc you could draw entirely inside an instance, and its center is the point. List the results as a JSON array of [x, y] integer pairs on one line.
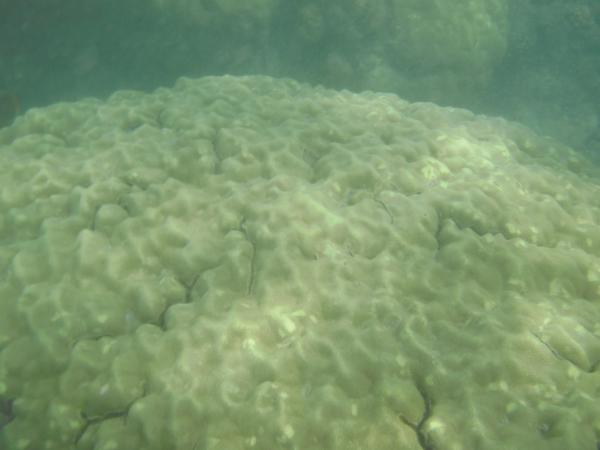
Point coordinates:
[[533, 61]]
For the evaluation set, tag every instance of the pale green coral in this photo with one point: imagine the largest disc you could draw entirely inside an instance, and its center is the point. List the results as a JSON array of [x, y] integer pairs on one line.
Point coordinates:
[[241, 263]]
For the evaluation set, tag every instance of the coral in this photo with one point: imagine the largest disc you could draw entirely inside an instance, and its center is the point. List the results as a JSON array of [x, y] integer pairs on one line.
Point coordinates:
[[244, 262]]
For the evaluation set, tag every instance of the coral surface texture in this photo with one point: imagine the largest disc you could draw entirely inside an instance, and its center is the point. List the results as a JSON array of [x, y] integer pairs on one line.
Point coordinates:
[[250, 263]]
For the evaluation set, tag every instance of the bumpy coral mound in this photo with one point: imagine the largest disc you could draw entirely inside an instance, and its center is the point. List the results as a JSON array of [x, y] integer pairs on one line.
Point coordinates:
[[242, 263]]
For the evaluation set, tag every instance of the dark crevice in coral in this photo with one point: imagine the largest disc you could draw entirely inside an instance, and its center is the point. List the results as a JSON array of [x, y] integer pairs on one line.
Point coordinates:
[[93, 420], [89, 421], [95, 215], [214, 140], [92, 337], [7, 413], [437, 236], [189, 287], [560, 357], [418, 427], [252, 276], [160, 323], [386, 209], [548, 346], [421, 436]]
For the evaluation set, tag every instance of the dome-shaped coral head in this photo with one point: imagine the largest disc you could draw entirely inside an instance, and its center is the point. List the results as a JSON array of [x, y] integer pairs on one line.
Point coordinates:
[[9, 107]]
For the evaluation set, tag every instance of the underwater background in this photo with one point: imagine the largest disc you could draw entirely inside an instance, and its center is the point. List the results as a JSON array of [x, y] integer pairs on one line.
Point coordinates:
[[532, 61]]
